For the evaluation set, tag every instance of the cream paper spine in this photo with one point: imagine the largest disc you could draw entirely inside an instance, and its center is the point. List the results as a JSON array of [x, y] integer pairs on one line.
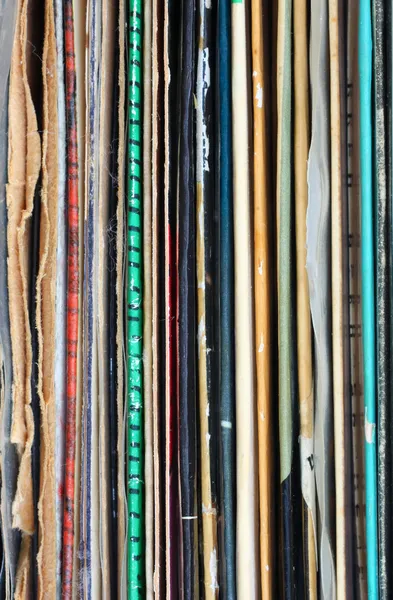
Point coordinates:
[[247, 551], [46, 314]]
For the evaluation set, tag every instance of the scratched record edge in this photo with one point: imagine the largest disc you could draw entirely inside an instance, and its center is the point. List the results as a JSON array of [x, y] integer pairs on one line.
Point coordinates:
[[382, 298], [112, 325], [227, 521], [389, 78], [171, 46], [187, 310]]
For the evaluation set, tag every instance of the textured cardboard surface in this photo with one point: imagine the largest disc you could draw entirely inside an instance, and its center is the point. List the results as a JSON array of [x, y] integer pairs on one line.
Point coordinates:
[[46, 313], [9, 457], [24, 167]]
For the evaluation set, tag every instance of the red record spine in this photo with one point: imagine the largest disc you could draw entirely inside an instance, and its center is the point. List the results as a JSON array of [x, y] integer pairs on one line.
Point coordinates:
[[72, 299]]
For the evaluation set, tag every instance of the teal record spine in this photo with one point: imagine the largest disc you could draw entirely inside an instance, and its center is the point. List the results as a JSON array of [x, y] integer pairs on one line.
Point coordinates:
[[368, 293]]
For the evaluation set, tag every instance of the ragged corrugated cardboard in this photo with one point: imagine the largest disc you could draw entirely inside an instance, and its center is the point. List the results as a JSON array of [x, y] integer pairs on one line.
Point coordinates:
[[24, 167], [15, 204], [8, 453], [46, 311], [22, 589]]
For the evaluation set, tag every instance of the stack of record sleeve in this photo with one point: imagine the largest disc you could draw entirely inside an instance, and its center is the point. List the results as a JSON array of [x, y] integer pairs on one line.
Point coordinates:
[[196, 299]]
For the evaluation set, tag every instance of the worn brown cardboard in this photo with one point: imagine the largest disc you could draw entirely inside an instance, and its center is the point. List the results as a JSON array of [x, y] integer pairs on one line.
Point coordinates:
[[46, 310], [24, 167]]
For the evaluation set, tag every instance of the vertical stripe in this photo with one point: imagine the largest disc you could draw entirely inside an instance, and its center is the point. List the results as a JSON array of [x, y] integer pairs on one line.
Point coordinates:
[[368, 294], [135, 561], [72, 299]]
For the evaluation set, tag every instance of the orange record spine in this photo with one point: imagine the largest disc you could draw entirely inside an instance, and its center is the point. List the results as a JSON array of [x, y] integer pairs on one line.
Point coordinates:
[[262, 293]]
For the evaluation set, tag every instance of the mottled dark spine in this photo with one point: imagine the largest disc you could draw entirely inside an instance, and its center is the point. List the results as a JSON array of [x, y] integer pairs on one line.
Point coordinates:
[[187, 310], [226, 326], [382, 299]]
